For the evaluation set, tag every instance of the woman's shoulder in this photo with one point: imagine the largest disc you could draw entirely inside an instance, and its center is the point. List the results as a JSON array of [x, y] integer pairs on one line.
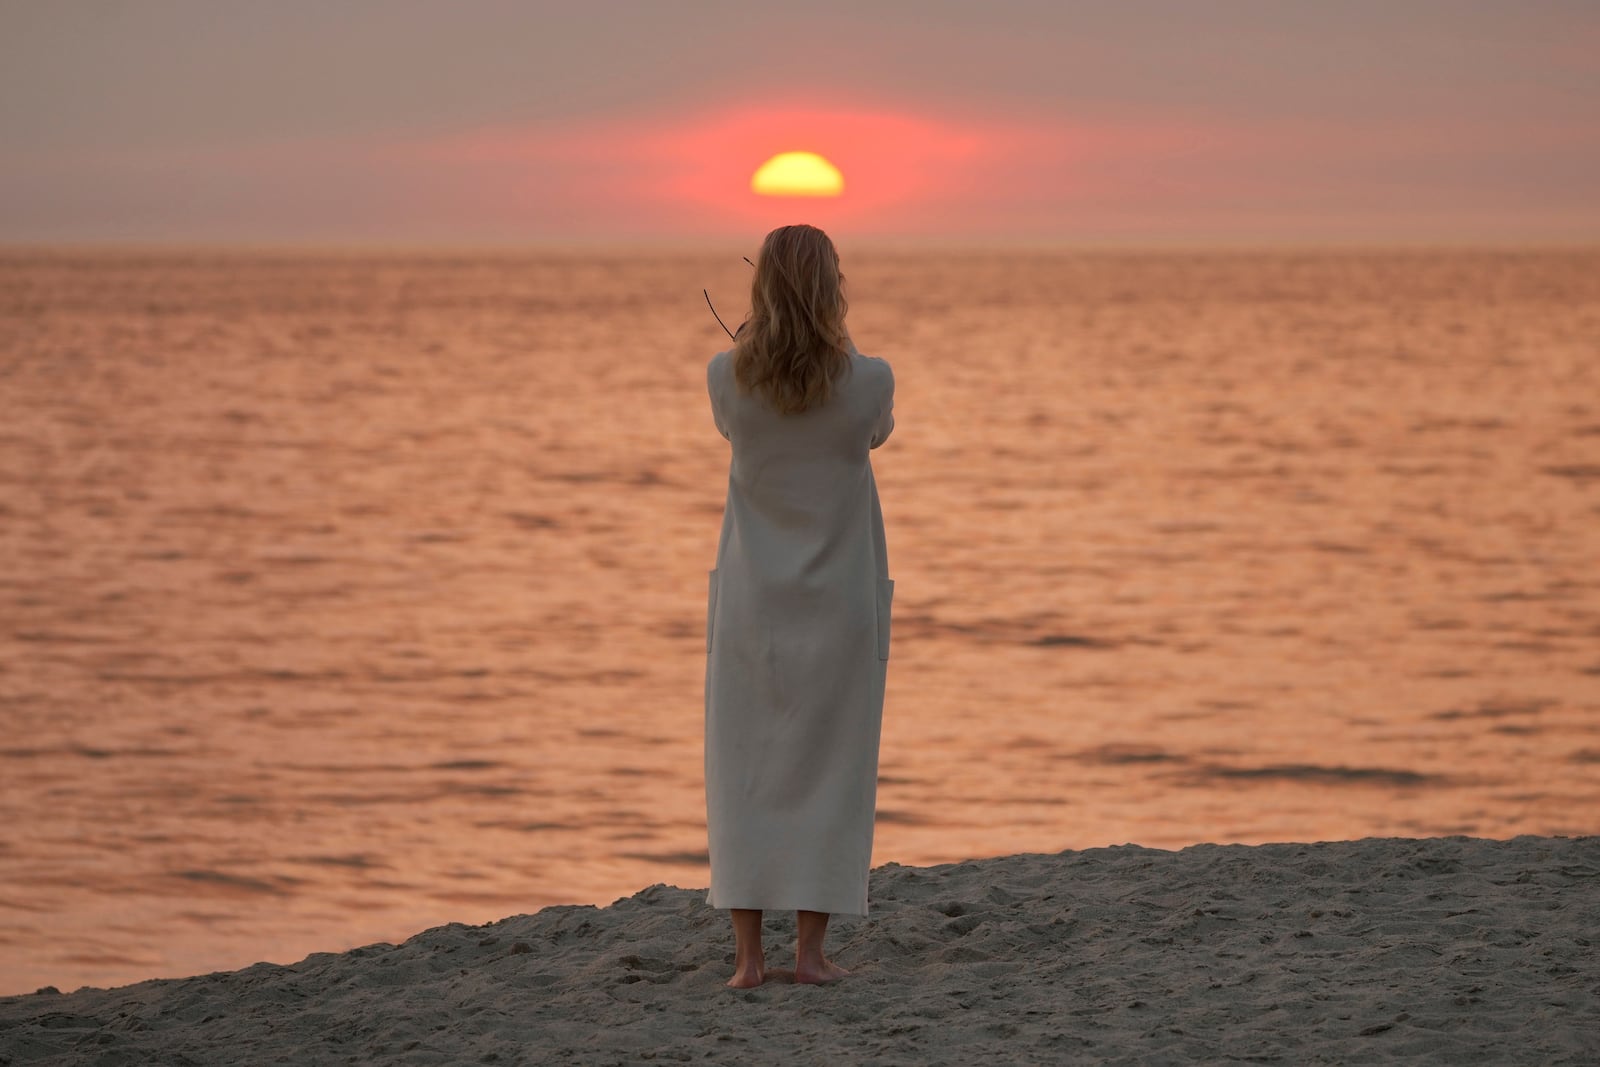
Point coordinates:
[[876, 366]]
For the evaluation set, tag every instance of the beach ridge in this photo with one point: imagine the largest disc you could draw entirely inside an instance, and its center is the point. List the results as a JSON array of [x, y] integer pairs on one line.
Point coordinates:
[[1454, 949]]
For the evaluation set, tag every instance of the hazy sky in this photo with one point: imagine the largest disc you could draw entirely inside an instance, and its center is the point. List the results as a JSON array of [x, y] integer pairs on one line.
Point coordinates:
[[400, 122]]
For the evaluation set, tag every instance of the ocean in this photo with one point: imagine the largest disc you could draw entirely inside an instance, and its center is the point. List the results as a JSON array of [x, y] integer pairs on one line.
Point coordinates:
[[346, 594]]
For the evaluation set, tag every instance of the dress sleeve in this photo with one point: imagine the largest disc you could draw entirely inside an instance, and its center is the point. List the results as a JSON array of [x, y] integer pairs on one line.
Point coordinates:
[[711, 390], [885, 426]]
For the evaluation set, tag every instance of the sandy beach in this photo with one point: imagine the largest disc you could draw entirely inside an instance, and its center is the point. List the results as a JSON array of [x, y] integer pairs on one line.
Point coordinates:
[[1454, 950]]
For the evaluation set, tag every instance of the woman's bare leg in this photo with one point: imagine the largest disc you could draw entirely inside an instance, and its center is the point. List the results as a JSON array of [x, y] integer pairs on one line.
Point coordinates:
[[749, 963], [810, 965]]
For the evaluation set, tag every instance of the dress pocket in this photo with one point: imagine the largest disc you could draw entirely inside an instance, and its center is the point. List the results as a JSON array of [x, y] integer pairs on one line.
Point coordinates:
[[885, 610], [711, 608]]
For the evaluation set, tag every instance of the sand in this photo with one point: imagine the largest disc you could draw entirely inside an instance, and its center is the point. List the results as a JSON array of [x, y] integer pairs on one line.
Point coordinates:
[[1453, 950]]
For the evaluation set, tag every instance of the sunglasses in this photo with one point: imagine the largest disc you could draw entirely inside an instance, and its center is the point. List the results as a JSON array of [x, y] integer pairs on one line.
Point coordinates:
[[714, 310]]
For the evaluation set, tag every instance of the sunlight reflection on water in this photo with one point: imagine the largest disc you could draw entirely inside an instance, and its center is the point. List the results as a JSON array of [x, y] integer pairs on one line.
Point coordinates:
[[348, 596]]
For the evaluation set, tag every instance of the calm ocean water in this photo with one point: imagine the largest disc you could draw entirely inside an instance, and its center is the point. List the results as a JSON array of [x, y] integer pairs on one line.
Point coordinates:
[[349, 595]]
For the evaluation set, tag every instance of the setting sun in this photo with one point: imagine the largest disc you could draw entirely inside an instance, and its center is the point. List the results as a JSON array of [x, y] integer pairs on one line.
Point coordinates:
[[797, 174]]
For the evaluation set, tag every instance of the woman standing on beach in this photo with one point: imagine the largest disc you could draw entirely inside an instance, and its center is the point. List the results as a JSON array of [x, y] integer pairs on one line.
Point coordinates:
[[797, 616]]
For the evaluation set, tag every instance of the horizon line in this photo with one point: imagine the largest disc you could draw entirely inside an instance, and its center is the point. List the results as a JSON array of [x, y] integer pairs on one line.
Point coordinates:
[[722, 245]]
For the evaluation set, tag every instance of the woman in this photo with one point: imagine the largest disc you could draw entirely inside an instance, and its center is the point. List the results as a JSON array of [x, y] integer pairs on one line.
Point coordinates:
[[797, 620]]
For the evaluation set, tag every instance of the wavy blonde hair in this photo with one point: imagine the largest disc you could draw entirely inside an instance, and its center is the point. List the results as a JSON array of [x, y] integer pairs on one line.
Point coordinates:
[[794, 344]]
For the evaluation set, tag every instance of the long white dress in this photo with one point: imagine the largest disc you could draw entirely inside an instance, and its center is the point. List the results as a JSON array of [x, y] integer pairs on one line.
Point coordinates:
[[797, 646]]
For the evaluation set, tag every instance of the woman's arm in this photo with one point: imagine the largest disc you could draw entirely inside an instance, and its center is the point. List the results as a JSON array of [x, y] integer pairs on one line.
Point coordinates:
[[711, 390], [885, 426]]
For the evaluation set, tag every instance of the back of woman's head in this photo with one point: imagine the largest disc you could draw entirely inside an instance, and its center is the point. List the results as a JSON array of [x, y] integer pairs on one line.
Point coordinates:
[[794, 343]]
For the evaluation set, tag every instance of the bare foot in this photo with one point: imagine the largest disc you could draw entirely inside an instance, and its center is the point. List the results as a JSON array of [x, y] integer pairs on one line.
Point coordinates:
[[815, 974], [751, 975]]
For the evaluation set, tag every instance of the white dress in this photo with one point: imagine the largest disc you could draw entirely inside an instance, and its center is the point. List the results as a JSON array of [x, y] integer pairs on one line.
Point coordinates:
[[797, 646]]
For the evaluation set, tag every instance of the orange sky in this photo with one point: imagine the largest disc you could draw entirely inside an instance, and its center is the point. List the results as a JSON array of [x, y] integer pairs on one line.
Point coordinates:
[[1018, 121]]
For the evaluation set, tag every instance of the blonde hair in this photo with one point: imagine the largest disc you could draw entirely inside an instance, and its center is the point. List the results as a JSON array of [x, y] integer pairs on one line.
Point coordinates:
[[793, 344]]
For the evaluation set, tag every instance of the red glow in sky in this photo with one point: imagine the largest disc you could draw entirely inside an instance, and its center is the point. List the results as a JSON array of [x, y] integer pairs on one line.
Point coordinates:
[[903, 172], [567, 123]]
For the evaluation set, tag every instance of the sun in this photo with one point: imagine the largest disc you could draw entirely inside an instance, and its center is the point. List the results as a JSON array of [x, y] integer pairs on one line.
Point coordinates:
[[797, 174]]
